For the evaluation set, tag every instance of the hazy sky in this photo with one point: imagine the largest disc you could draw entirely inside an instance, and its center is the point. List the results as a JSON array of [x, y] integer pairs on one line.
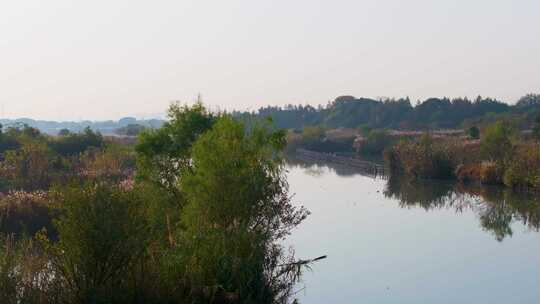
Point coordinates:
[[66, 59]]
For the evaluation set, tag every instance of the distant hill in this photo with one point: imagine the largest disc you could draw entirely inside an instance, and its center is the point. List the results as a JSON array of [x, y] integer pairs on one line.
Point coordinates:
[[107, 127]]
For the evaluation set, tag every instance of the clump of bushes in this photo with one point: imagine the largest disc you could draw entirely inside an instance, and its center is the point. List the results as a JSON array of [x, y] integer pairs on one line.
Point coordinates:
[[315, 138], [423, 159], [498, 141], [524, 170], [376, 142]]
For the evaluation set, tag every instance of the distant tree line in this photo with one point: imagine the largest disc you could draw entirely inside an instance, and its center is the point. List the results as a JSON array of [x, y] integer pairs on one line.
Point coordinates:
[[351, 112]]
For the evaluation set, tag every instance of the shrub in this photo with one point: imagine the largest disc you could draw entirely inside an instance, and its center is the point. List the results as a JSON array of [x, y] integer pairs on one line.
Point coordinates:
[[498, 141], [102, 234], [426, 159], [524, 169], [376, 142]]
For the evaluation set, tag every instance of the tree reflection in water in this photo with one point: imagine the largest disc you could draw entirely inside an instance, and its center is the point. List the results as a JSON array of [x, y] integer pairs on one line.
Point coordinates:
[[497, 208]]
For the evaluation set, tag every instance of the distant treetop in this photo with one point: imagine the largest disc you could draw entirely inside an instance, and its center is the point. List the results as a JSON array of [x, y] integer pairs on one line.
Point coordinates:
[[433, 113]]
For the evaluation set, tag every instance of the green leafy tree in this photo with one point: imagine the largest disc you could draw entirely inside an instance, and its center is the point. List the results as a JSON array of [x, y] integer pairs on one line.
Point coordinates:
[[164, 154], [237, 210], [497, 141]]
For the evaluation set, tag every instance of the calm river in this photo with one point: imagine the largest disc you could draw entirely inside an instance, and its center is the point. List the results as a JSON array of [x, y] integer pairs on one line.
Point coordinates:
[[399, 241]]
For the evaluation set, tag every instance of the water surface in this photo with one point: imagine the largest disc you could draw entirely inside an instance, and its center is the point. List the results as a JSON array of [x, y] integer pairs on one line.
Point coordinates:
[[400, 241]]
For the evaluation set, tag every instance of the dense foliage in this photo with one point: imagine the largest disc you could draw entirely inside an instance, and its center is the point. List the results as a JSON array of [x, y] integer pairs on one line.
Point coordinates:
[[237, 209]]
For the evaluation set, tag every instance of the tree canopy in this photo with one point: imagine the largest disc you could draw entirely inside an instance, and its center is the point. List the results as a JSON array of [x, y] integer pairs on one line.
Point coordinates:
[[351, 112]]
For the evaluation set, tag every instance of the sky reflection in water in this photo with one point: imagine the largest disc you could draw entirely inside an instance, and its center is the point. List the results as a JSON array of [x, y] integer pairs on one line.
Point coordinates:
[[402, 241]]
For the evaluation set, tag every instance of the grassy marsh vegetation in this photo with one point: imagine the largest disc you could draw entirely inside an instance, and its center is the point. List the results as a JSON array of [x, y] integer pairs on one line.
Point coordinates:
[[501, 156]]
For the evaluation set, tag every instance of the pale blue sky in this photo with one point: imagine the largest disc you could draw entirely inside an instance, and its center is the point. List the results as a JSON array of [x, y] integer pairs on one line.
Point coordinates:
[[65, 59]]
